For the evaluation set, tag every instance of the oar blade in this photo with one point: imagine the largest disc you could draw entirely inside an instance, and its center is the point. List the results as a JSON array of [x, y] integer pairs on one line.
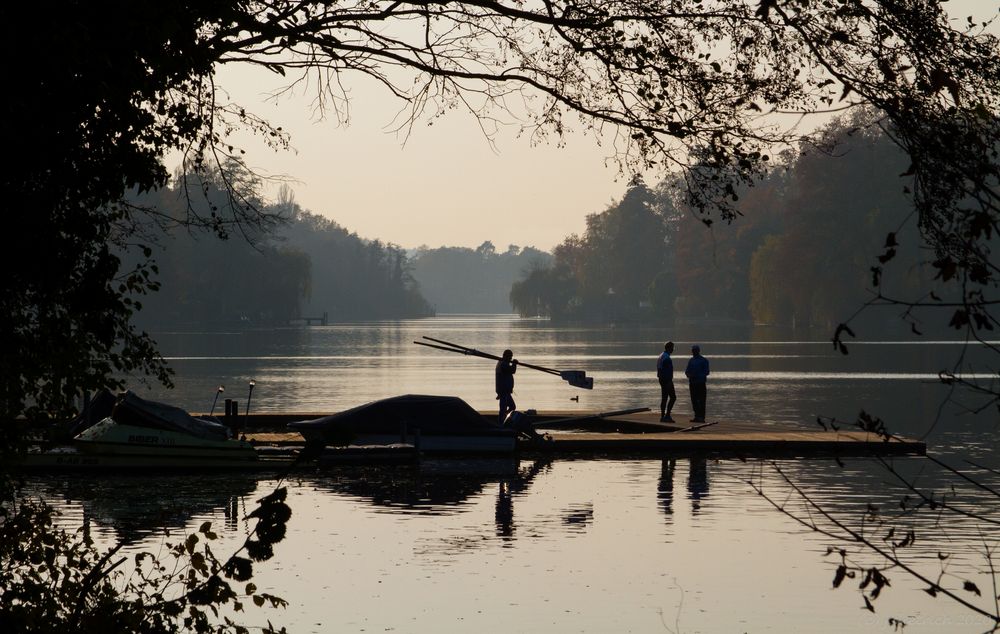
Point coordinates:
[[577, 378]]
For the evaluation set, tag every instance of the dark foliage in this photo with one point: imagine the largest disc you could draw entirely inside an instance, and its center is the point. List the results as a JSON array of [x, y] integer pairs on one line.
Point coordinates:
[[104, 91], [53, 580]]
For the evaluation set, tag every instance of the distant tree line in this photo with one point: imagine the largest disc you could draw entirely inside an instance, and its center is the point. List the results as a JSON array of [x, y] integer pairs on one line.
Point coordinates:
[[802, 254], [354, 278], [306, 266], [464, 280]]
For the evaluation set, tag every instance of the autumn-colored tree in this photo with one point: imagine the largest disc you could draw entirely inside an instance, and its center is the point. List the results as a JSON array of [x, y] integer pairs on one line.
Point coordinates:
[[838, 202]]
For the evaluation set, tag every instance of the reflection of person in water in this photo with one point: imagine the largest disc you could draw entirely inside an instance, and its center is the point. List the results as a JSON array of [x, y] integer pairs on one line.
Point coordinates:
[[510, 486], [697, 482], [665, 489], [505, 510]]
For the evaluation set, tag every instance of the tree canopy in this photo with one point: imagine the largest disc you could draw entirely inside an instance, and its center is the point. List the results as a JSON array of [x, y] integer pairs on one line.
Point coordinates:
[[608, 273]]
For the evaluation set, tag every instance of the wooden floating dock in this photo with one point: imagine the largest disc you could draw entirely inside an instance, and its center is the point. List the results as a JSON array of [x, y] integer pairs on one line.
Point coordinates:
[[642, 435]]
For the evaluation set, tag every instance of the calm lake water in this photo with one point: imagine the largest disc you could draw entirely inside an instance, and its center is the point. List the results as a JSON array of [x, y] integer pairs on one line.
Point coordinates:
[[679, 544]]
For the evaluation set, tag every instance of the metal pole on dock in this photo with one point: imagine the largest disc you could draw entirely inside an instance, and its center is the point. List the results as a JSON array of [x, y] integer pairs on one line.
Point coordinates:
[[216, 399], [246, 419]]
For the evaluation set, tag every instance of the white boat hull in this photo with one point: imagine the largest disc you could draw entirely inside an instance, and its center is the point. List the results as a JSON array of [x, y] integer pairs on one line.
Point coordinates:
[[429, 443], [112, 443], [444, 443], [74, 458]]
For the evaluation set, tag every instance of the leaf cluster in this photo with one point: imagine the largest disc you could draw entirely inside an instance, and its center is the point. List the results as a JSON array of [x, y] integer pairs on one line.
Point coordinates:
[[53, 580], [889, 536]]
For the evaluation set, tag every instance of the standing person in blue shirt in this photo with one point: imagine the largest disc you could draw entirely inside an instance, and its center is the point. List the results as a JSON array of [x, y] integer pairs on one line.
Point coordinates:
[[665, 375], [697, 374], [506, 367]]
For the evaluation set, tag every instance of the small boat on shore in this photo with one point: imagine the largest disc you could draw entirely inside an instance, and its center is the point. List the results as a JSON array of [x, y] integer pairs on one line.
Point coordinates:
[[434, 424], [140, 433]]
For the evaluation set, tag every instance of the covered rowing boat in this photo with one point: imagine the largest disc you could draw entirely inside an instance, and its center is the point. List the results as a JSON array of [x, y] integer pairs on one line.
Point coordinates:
[[440, 424]]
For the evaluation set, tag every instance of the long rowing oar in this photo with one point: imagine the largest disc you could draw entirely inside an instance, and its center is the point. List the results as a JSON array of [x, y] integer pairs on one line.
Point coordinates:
[[695, 427], [576, 378], [569, 421]]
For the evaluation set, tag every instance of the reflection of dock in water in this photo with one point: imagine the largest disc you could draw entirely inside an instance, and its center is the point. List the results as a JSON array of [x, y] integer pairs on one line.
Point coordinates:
[[641, 434], [435, 485]]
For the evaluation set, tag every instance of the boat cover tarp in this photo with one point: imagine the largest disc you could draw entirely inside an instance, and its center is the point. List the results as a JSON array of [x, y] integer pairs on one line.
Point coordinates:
[[429, 414], [99, 408], [133, 410]]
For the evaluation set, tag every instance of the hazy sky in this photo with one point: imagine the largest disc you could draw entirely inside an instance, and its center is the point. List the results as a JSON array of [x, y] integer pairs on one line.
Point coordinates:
[[446, 185]]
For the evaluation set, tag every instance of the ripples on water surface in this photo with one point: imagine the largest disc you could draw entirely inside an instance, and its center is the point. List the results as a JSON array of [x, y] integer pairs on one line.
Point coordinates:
[[681, 544]]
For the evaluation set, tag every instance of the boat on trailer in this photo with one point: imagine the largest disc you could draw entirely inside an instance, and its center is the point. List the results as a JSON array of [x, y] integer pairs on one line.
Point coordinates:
[[433, 424]]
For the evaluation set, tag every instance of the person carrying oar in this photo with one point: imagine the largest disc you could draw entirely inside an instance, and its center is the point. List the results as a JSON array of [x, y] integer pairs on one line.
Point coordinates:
[[576, 378], [506, 367]]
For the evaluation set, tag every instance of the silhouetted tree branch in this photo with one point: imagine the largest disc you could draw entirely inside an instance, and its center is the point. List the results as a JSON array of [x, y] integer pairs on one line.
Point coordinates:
[[816, 517]]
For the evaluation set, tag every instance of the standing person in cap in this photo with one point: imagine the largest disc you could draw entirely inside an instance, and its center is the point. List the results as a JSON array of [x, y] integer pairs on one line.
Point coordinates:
[[665, 375], [506, 367], [697, 374]]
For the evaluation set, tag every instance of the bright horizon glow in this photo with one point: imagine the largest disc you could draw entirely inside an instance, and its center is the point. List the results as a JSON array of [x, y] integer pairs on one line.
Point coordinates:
[[445, 186]]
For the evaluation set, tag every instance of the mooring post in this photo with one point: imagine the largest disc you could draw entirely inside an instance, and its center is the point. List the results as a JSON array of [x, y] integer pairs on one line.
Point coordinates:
[[234, 417], [87, 414]]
